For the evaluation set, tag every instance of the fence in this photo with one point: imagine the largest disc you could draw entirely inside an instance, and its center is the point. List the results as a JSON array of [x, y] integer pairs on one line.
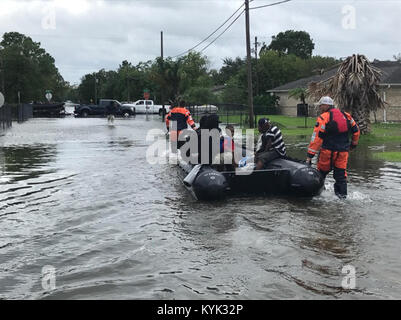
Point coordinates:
[[10, 113], [22, 112], [5, 117], [235, 114]]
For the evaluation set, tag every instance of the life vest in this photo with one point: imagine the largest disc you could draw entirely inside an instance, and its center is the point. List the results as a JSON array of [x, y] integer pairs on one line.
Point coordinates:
[[332, 132], [338, 123], [226, 144], [182, 117]]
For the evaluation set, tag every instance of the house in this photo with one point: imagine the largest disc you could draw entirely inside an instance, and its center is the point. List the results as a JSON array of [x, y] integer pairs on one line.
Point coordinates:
[[390, 90]]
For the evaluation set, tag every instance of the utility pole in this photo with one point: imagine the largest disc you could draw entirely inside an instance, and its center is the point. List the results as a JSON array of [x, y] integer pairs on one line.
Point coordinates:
[[256, 67], [95, 90], [128, 95], [2, 73], [162, 88], [249, 65]]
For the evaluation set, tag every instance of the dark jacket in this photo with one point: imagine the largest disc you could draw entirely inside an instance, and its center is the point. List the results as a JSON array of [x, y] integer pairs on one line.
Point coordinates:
[[111, 109]]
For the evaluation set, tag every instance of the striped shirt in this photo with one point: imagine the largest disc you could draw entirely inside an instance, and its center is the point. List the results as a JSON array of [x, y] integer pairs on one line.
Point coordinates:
[[273, 140]]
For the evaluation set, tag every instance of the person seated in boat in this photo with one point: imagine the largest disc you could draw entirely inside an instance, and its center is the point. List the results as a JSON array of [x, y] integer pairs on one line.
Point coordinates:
[[179, 118], [271, 145], [210, 124], [220, 156], [227, 158], [228, 140]]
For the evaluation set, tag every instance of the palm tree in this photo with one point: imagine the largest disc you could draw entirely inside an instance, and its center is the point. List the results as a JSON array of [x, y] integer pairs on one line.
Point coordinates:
[[355, 87]]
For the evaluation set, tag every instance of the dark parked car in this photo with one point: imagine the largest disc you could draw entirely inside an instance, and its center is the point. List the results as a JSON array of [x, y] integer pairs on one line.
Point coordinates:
[[46, 110], [100, 109]]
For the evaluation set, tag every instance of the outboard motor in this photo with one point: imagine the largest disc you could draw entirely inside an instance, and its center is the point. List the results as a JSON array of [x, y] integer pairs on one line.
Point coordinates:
[[307, 181], [210, 185]]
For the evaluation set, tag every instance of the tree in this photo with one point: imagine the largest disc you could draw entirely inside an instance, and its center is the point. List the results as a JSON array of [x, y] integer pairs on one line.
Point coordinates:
[[319, 64], [186, 77], [275, 70], [199, 95], [28, 69], [355, 87], [87, 88], [127, 83], [397, 57], [298, 43], [165, 74], [193, 68], [230, 68], [235, 90], [71, 93], [132, 80]]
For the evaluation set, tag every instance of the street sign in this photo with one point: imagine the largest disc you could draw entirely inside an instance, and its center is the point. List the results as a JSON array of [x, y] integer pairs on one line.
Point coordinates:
[[1, 99], [49, 96]]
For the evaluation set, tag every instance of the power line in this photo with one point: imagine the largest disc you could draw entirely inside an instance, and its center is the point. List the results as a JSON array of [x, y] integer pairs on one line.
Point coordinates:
[[208, 37], [249, 64], [269, 5], [223, 31]]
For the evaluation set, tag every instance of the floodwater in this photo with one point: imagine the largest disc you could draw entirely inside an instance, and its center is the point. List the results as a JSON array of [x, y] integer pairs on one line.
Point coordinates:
[[78, 196]]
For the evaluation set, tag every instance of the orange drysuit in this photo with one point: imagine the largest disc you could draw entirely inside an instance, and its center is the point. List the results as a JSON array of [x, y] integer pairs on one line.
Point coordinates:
[[331, 138], [182, 117]]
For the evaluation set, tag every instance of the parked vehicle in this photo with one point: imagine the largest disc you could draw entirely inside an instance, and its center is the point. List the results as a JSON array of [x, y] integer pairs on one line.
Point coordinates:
[[70, 107], [48, 110], [100, 109], [147, 106], [209, 108]]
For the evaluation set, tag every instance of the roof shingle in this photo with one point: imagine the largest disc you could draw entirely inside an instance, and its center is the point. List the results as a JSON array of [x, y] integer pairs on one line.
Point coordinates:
[[391, 75]]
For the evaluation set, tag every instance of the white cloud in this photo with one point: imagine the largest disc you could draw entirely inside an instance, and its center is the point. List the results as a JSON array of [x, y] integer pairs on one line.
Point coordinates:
[[95, 34], [9, 7], [75, 7]]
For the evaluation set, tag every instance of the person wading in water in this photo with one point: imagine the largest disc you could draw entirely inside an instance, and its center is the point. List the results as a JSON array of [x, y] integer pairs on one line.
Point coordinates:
[[331, 137]]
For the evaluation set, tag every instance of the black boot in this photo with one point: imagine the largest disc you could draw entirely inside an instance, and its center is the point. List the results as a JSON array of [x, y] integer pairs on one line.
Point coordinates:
[[340, 187]]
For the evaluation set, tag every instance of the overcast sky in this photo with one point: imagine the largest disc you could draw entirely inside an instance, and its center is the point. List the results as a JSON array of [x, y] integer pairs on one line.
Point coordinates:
[[87, 35]]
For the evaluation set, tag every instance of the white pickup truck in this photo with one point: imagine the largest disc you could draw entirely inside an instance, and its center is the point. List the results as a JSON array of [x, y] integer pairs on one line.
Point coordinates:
[[147, 106]]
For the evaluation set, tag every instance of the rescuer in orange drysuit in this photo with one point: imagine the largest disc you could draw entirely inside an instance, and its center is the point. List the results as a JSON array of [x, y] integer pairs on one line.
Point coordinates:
[[331, 137], [182, 117]]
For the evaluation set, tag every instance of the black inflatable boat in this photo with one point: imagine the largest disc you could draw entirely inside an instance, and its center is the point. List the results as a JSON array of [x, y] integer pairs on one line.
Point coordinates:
[[282, 176]]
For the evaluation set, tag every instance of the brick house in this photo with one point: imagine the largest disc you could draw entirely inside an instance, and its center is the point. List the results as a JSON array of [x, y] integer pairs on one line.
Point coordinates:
[[390, 90]]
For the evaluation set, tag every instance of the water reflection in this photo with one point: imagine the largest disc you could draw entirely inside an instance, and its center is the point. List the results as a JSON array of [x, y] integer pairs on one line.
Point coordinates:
[[204, 223], [26, 161], [121, 142], [362, 165], [115, 226]]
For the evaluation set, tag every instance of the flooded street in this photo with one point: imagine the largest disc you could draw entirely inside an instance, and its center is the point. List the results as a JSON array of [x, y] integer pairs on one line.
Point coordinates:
[[79, 196]]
